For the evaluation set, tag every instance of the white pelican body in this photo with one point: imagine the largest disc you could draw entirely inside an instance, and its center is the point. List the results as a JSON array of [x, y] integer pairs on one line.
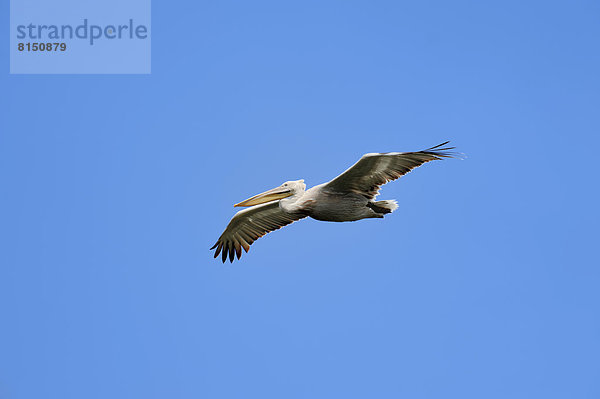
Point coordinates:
[[325, 204], [348, 197]]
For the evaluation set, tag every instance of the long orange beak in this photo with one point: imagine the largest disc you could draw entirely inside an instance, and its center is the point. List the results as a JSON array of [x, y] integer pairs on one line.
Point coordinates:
[[268, 196]]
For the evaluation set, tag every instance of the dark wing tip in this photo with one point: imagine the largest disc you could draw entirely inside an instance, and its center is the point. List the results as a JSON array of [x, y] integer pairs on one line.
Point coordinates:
[[227, 250], [440, 145], [218, 250], [231, 253], [443, 152]]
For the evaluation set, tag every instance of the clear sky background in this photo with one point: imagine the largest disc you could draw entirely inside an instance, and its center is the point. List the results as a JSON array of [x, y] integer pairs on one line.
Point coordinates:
[[483, 284]]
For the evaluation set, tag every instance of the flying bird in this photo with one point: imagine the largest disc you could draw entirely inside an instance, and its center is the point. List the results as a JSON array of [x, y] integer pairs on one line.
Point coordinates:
[[348, 197]]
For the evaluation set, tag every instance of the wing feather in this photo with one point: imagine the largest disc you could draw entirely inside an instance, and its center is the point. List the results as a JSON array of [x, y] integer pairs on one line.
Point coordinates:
[[373, 170], [249, 225]]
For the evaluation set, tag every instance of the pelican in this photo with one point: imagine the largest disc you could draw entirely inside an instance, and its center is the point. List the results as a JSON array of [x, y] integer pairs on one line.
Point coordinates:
[[348, 197]]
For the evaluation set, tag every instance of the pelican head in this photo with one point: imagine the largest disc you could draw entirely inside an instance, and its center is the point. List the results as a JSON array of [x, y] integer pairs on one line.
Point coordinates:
[[287, 189]]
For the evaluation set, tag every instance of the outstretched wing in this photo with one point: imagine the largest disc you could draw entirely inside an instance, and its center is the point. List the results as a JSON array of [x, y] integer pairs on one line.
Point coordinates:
[[249, 225], [374, 170]]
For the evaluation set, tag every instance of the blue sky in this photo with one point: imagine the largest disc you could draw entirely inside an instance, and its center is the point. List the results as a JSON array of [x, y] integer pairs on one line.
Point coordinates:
[[484, 283]]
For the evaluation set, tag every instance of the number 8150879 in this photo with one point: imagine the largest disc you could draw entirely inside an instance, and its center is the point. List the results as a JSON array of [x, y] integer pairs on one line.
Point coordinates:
[[42, 46]]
